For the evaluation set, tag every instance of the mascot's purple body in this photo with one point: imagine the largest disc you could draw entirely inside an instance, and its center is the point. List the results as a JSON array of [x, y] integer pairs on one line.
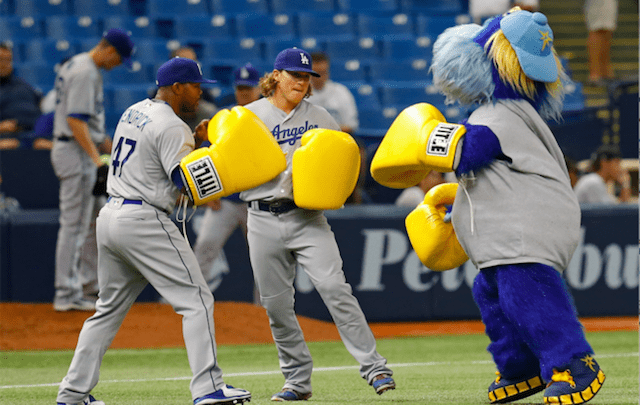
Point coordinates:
[[515, 213]]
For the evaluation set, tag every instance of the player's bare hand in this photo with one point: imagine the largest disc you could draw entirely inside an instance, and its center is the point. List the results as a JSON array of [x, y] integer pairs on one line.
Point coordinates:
[[215, 204], [200, 133]]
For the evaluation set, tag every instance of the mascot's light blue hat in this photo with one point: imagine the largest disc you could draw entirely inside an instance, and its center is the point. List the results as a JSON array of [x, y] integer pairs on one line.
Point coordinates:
[[532, 39]]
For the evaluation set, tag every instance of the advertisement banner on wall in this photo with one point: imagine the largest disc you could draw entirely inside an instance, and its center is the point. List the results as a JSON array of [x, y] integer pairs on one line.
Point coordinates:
[[392, 285]]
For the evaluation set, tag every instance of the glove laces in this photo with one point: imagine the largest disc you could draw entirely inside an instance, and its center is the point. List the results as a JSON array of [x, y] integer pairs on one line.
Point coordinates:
[[181, 215]]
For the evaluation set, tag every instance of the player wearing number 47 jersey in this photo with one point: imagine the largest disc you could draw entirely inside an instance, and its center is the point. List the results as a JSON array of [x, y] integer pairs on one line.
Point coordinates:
[[139, 244]]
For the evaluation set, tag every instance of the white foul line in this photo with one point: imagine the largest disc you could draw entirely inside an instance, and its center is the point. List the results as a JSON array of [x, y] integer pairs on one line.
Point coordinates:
[[318, 369]]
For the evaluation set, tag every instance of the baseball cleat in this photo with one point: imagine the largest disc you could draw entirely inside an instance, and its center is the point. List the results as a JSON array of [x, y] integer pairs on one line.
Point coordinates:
[[506, 390], [382, 383], [579, 383], [287, 394], [226, 395], [90, 400], [77, 305]]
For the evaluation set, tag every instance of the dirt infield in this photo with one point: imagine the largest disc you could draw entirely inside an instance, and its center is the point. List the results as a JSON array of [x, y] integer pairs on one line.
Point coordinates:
[[39, 327]]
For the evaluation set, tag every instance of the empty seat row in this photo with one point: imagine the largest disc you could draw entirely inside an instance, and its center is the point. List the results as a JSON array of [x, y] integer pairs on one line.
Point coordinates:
[[164, 8], [221, 27]]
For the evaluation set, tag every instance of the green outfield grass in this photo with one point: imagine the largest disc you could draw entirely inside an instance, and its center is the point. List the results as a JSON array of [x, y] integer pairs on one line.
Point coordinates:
[[428, 370]]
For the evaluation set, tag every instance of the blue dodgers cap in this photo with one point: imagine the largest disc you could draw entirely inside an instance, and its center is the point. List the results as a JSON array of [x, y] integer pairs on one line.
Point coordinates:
[[532, 39], [123, 43], [294, 60], [247, 75], [180, 70]]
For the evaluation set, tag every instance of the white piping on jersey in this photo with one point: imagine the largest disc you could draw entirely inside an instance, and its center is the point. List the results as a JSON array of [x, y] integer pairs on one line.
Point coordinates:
[[470, 177]]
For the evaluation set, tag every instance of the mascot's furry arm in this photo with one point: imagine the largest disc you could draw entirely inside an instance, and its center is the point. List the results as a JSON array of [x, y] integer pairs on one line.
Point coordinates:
[[480, 147]]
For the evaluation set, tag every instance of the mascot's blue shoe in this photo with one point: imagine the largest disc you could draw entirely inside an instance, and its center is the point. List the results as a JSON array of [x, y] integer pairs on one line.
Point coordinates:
[[577, 384], [503, 390]]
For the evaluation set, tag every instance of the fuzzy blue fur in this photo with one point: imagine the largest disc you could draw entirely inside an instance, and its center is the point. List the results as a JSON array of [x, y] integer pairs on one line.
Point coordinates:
[[530, 318], [480, 147], [464, 74]]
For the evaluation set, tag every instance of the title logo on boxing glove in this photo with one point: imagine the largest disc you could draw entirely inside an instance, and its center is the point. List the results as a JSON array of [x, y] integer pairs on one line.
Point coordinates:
[[441, 138], [205, 177]]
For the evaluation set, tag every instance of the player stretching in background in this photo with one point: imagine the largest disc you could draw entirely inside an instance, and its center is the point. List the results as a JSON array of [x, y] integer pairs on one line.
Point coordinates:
[[281, 235]]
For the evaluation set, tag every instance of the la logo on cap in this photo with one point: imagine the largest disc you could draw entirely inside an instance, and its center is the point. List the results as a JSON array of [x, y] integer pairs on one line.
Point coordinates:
[[304, 59]]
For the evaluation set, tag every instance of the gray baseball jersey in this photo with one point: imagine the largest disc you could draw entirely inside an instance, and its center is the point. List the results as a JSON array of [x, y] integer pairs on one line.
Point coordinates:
[[78, 92], [139, 244], [532, 195], [339, 102], [592, 189], [280, 242]]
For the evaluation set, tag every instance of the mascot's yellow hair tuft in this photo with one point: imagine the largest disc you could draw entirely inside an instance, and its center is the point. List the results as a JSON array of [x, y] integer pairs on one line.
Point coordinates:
[[506, 62]]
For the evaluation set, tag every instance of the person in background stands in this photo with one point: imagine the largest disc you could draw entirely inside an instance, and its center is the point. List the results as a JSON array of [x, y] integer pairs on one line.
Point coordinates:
[[19, 106], [334, 97], [606, 170]]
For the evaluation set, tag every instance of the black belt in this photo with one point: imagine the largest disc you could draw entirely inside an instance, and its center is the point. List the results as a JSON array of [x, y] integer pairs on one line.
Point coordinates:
[[276, 207], [64, 138]]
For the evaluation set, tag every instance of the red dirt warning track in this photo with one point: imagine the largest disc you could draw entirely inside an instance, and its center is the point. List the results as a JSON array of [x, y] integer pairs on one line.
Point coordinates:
[[39, 327]]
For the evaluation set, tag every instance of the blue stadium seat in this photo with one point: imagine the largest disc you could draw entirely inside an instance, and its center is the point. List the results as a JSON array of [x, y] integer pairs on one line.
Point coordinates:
[[376, 121], [140, 27], [433, 25], [240, 6], [398, 26], [367, 5], [26, 8], [272, 47], [348, 71], [63, 27], [433, 7], [124, 96], [153, 50], [574, 99], [407, 49], [138, 74], [173, 8], [18, 28], [212, 28], [111, 118], [261, 26], [390, 72], [366, 95], [101, 8], [38, 73], [6, 7], [362, 49], [49, 50], [290, 6], [232, 51], [326, 27], [402, 96]]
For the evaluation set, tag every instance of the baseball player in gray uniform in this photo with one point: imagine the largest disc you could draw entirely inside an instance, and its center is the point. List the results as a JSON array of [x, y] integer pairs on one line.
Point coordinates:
[[223, 216], [281, 236], [139, 244], [78, 127]]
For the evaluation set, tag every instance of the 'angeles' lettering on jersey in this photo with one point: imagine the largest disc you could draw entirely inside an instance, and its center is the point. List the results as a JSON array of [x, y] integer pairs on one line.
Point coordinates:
[[135, 118], [291, 135]]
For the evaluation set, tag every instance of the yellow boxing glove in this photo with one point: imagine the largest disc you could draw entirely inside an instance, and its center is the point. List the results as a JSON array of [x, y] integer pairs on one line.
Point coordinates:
[[419, 140], [324, 169], [243, 155], [434, 240]]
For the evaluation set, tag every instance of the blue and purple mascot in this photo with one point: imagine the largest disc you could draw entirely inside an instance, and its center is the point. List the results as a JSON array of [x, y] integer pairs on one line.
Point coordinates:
[[513, 214]]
